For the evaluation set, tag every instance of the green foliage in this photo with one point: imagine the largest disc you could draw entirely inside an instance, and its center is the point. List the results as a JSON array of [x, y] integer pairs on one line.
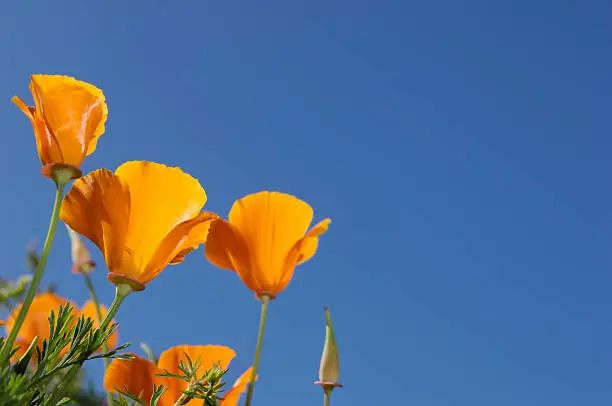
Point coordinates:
[[38, 377]]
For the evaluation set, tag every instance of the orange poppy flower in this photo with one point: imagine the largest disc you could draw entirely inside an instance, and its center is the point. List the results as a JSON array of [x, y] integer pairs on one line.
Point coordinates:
[[265, 238], [139, 375], [68, 117], [143, 217], [36, 323]]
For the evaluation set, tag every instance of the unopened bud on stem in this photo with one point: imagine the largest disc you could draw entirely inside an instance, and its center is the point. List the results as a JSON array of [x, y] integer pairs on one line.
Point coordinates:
[[329, 370], [81, 259]]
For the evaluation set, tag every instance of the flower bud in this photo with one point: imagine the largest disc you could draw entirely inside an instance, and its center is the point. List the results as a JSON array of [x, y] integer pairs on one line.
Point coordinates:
[[81, 260], [329, 370]]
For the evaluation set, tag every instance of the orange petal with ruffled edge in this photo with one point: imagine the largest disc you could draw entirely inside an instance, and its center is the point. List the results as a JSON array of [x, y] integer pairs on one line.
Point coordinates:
[[135, 376], [98, 207], [232, 396], [89, 310]]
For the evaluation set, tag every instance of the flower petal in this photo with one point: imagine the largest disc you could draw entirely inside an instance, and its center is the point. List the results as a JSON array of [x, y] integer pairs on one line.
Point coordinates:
[[271, 223], [72, 114], [227, 249], [232, 396], [161, 198], [308, 245], [46, 82], [38, 127], [134, 376], [98, 207], [183, 239], [301, 252], [206, 355], [89, 310]]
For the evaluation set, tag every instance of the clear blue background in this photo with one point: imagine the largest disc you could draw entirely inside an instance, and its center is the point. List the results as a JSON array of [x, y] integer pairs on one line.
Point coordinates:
[[462, 150]]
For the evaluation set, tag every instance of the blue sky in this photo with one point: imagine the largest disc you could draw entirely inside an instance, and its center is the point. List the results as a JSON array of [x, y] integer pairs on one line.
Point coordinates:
[[462, 150]]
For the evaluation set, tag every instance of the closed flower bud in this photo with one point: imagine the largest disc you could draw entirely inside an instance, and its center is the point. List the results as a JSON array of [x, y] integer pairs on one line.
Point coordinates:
[[80, 254], [329, 370]]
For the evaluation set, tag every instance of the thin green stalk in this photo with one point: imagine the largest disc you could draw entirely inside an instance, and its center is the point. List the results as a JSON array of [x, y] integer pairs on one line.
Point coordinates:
[[121, 293], [38, 273], [180, 400], [326, 397], [94, 298], [262, 325]]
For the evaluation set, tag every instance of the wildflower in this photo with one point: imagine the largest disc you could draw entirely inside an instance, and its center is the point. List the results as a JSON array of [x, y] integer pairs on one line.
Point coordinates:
[[138, 375], [36, 323], [263, 241], [68, 117], [143, 217]]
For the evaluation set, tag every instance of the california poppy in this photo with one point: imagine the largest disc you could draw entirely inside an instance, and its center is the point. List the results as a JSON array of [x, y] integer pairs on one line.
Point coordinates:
[[143, 217], [138, 375], [68, 116], [36, 323], [265, 238]]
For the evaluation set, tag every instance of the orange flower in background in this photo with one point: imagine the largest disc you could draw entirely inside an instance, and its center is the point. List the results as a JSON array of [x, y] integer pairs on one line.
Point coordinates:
[[139, 375], [89, 310], [36, 323], [143, 217], [265, 238], [68, 117]]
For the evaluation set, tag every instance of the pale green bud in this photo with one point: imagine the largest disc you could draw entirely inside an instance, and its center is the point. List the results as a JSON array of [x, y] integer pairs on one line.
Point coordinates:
[[329, 370]]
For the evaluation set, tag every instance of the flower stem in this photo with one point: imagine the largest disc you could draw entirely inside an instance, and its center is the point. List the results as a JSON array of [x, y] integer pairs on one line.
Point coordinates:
[[38, 273], [94, 298], [121, 293], [262, 325], [180, 400], [326, 397]]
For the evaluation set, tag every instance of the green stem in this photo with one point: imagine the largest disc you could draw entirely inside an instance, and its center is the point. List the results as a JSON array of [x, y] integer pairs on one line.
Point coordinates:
[[94, 298], [38, 273], [326, 397], [121, 293], [180, 400], [262, 325]]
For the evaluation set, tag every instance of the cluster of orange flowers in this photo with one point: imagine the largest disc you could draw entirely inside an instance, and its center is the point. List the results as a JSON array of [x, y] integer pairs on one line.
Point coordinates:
[[145, 216]]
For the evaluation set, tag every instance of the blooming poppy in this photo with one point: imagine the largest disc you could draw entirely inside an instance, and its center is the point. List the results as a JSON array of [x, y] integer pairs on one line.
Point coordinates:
[[36, 323], [138, 375], [265, 238], [68, 116], [143, 217]]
